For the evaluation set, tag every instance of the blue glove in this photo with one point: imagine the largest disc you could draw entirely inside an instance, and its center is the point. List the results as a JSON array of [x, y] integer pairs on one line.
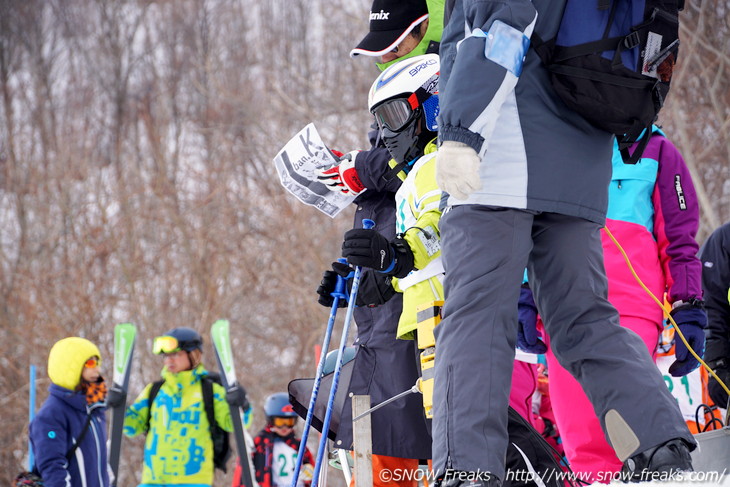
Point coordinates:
[[528, 338], [692, 320]]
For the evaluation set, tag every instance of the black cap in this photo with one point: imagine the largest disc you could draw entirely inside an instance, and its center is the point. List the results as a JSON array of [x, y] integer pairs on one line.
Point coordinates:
[[390, 23]]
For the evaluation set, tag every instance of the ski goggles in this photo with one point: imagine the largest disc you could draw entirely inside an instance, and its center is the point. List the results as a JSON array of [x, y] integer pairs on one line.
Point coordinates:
[[280, 421], [396, 114], [92, 362], [165, 344]]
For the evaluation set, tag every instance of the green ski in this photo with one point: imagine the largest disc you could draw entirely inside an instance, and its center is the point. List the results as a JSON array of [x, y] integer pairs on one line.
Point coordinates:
[[220, 333], [125, 335]]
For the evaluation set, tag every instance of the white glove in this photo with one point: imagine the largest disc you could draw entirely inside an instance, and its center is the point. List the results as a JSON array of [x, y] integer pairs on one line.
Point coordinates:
[[342, 177], [457, 169], [306, 473]]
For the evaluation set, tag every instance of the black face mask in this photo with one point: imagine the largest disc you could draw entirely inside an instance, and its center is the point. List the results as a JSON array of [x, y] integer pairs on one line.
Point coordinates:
[[407, 145]]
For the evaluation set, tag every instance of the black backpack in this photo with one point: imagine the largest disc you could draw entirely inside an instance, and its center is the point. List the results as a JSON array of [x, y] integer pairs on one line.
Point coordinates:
[[612, 61], [220, 437], [530, 460]]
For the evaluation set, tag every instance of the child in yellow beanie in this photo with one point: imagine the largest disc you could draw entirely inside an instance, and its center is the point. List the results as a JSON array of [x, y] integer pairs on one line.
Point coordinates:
[[68, 435]]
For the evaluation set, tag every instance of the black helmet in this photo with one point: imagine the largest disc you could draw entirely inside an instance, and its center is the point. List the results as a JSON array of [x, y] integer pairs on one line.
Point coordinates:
[[181, 338]]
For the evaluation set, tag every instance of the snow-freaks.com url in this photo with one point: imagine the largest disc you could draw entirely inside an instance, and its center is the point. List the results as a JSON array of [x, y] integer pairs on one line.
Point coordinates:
[[520, 476], [606, 477]]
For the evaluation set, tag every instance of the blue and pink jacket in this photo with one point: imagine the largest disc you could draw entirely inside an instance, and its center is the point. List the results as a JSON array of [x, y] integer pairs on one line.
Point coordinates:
[[653, 212]]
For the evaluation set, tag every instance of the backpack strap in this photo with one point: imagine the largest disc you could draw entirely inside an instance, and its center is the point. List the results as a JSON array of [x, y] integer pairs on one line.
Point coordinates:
[[624, 146], [80, 438], [207, 386], [150, 399]]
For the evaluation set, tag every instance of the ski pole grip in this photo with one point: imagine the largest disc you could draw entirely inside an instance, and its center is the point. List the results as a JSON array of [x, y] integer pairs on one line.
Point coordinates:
[[367, 223], [340, 287]]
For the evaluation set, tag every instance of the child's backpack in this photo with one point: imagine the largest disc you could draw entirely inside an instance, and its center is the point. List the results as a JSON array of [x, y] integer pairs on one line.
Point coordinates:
[[221, 441], [612, 61]]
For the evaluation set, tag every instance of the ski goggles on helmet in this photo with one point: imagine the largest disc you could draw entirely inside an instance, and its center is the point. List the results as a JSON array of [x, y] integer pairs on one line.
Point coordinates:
[[165, 344], [92, 362], [281, 421], [397, 113]]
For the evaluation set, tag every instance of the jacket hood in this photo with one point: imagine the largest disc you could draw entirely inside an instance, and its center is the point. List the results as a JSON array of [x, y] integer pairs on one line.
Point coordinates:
[[66, 361]]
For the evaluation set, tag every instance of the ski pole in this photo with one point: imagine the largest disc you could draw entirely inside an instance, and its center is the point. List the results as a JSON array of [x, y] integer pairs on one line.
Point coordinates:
[[412, 390], [31, 414], [338, 367], [339, 293]]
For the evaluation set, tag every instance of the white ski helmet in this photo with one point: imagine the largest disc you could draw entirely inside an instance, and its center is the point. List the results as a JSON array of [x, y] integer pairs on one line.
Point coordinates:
[[404, 101]]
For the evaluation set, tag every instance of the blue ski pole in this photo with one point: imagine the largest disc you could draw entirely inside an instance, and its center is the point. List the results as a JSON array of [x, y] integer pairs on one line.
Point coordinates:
[[339, 293], [338, 367], [31, 415]]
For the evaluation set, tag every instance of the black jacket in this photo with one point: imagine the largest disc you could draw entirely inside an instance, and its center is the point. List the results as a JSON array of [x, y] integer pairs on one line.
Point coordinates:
[[715, 257], [384, 366]]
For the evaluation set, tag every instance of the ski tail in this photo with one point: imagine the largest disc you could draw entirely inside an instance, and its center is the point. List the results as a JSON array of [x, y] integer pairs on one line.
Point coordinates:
[[220, 333], [125, 336]]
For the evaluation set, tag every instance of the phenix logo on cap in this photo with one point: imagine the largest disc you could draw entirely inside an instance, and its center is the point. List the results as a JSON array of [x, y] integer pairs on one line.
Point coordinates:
[[390, 22], [382, 15]]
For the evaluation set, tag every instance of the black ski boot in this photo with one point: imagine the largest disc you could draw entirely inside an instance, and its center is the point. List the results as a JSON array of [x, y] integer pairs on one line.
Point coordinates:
[[468, 479], [671, 457]]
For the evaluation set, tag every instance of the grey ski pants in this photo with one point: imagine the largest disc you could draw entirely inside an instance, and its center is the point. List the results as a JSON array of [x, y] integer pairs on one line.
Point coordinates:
[[485, 252]]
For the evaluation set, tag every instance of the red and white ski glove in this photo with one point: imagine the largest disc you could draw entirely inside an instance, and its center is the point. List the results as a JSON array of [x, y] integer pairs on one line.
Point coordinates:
[[342, 177], [457, 169]]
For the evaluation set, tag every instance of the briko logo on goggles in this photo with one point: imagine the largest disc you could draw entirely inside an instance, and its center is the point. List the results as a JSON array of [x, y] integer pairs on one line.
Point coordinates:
[[397, 113], [165, 344], [280, 421]]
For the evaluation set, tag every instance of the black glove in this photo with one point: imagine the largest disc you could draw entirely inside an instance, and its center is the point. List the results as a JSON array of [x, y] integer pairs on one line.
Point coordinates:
[[368, 248], [237, 397], [329, 282], [115, 397], [717, 393], [375, 288]]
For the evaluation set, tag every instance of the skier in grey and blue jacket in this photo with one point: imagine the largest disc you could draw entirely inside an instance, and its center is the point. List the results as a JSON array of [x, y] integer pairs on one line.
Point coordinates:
[[528, 183]]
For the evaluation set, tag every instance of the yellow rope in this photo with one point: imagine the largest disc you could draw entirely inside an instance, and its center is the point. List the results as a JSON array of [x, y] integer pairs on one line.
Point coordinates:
[[677, 331]]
